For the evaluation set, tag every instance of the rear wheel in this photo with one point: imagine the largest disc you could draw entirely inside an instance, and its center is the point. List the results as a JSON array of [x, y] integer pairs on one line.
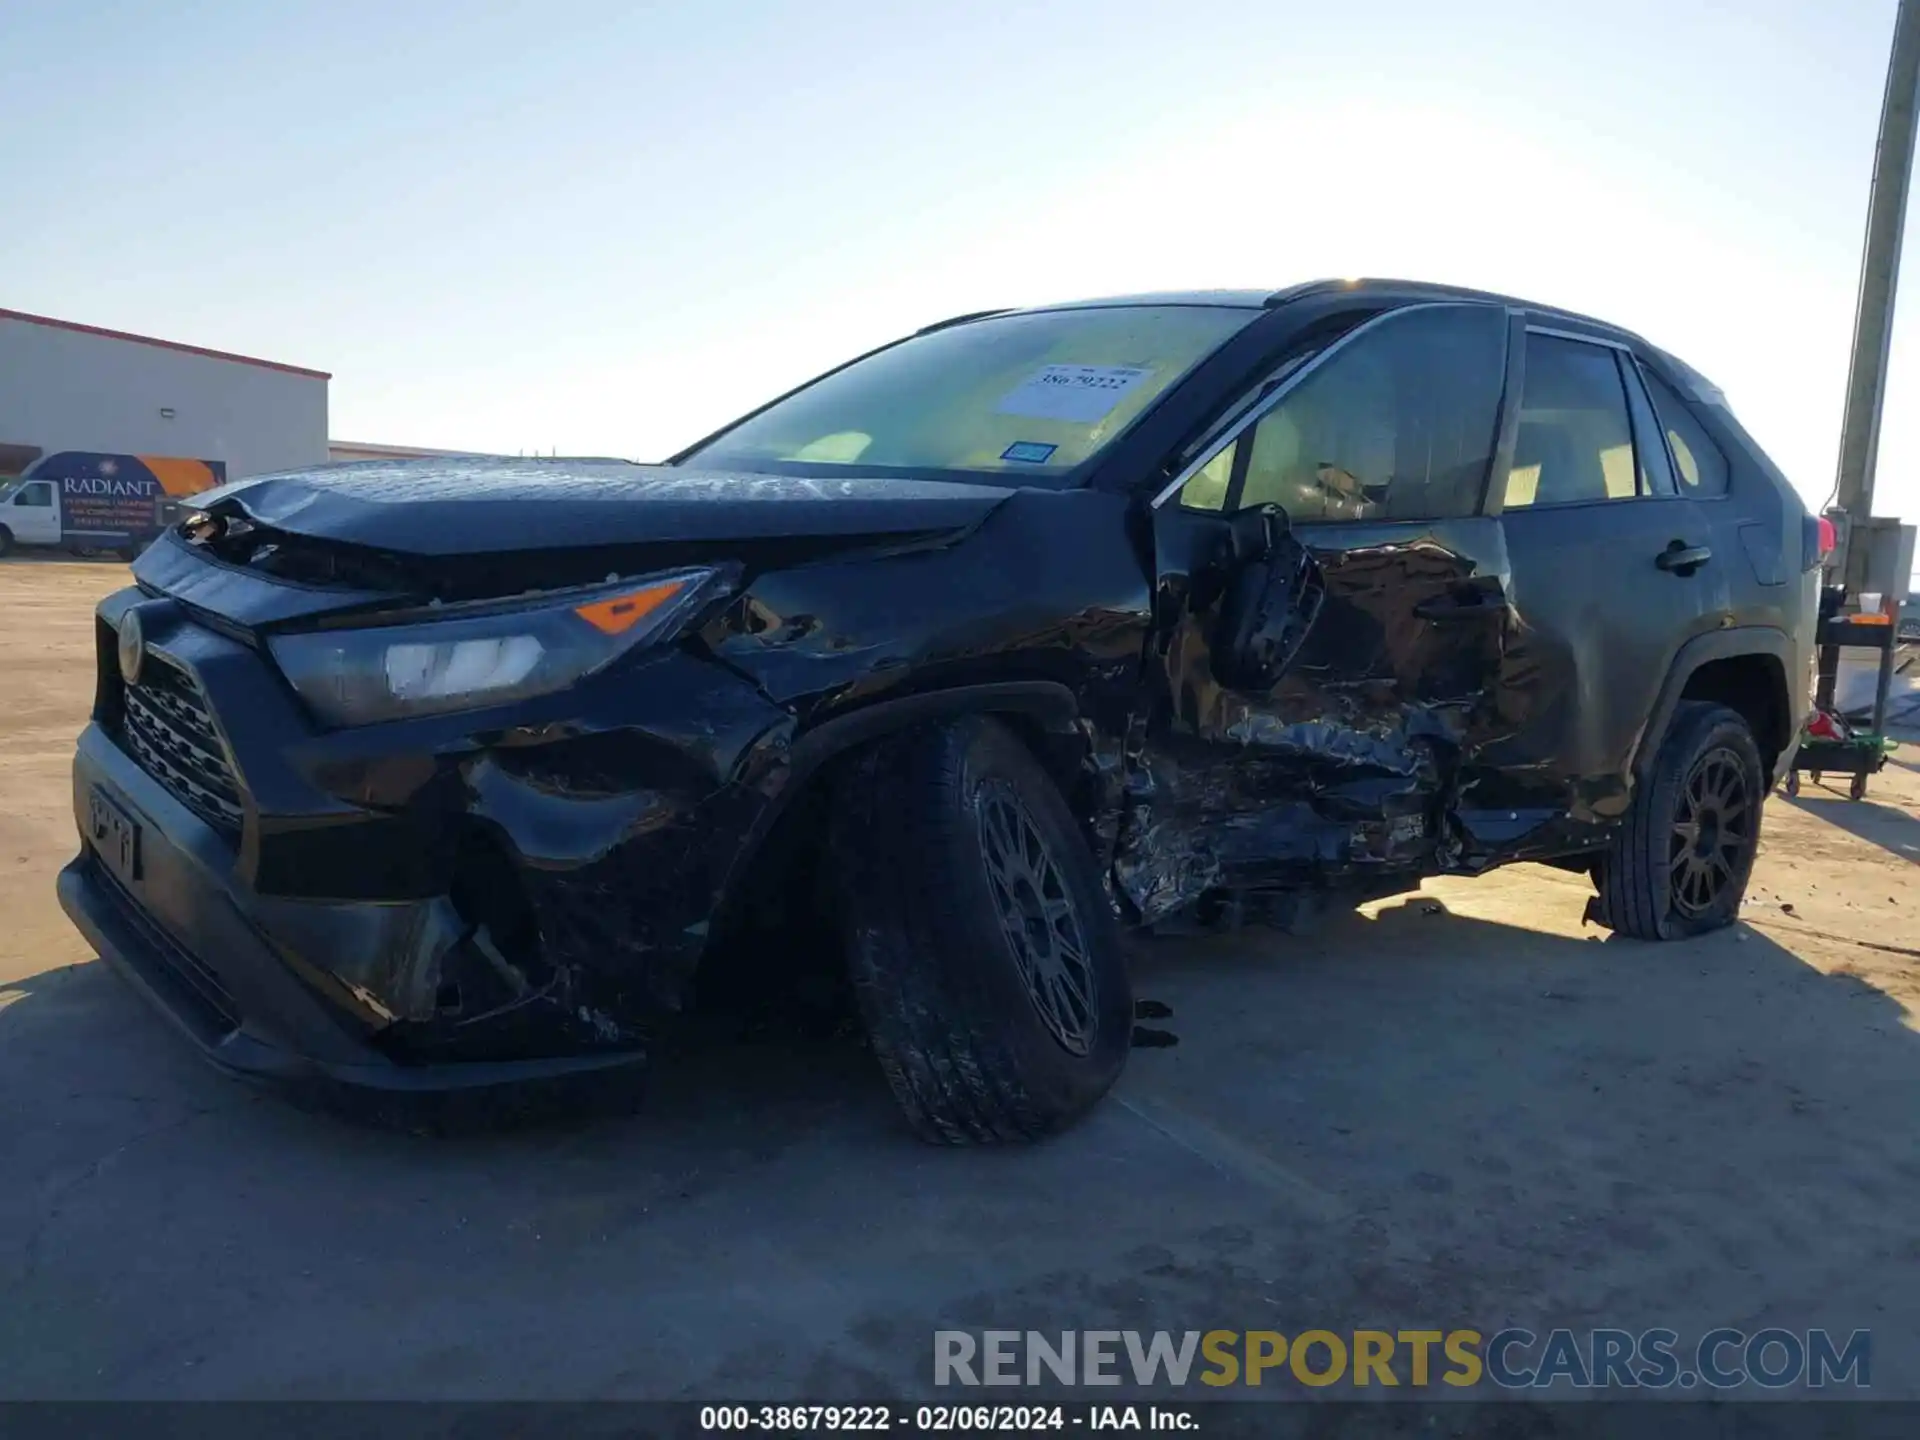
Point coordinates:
[[1679, 863], [985, 957]]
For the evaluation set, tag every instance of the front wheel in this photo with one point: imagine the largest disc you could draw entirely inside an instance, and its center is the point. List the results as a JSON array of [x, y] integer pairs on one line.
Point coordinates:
[[985, 957], [6, 541], [1679, 863]]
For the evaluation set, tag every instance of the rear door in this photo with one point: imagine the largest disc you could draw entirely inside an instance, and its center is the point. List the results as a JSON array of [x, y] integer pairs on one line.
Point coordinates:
[[1373, 452], [33, 514], [1613, 568]]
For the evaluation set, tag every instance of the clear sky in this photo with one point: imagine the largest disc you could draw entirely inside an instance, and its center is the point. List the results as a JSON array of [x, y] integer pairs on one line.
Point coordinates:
[[608, 227]]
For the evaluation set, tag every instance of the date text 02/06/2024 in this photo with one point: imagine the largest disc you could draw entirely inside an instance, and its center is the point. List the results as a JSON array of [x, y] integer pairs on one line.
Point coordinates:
[[942, 1419]]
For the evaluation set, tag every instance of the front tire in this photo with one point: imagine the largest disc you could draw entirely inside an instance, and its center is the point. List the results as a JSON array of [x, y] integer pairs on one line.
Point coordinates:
[[6, 541], [1680, 861], [985, 958]]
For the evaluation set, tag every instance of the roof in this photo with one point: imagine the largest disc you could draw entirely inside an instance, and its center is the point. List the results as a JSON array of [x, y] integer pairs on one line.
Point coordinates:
[[1403, 290], [1388, 290], [1228, 299], [80, 329], [1385, 292]]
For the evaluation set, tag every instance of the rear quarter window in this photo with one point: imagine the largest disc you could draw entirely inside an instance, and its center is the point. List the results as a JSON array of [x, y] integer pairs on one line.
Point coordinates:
[[1699, 465]]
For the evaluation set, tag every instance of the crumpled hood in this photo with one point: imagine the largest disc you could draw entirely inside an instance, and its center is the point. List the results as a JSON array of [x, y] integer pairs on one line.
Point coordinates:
[[470, 506]]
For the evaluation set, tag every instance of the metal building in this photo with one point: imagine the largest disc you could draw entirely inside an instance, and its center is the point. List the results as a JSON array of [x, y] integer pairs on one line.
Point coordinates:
[[65, 386], [345, 452]]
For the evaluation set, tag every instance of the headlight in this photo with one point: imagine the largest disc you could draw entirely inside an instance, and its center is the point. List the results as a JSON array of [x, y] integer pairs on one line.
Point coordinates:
[[473, 656]]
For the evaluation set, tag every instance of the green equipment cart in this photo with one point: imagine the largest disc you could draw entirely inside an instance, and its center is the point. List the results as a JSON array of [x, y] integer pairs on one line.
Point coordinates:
[[1860, 753]]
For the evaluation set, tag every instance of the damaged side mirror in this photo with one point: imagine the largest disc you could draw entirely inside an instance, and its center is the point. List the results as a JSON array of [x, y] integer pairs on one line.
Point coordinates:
[[1271, 598]]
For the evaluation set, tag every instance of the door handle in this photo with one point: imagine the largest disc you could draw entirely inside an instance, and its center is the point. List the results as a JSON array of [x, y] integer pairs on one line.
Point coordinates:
[[1470, 601], [1680, 558]]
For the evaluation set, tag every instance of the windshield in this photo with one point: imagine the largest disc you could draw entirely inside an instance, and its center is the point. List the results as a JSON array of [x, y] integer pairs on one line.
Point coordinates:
[[1034, 395]]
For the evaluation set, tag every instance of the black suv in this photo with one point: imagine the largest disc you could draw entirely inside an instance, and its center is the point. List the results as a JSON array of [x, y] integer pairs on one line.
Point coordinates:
[[446, 775]]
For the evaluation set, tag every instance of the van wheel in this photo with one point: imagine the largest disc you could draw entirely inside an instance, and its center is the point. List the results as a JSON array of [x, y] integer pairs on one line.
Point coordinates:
[[1679, 863], [6, 541], [985, 958]]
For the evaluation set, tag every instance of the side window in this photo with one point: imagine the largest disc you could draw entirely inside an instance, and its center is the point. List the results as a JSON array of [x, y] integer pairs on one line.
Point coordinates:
[[1397, 424], [1575, 443], [1701, 465], [40, 495]]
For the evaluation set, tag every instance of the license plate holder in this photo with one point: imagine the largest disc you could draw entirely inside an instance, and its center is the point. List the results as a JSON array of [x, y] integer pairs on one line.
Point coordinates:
[[115, 835]]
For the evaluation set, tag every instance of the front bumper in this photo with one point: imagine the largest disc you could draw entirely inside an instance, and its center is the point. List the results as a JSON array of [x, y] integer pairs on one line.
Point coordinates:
[[475, 905], [188, 938]]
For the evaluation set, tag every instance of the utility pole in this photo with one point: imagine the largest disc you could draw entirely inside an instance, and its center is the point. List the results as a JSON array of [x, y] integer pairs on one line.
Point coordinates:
[[1873, 320]]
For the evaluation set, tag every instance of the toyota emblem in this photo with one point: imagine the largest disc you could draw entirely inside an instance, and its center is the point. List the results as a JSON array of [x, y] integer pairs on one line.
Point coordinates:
[[132, 648]]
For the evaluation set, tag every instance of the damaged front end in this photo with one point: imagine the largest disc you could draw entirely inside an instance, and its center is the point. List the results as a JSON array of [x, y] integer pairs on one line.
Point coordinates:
[[579, 882], [436, 798], [465, 888]]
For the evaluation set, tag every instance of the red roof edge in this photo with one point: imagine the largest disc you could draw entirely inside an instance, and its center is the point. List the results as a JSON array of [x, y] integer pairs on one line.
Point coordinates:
[[53, 324]]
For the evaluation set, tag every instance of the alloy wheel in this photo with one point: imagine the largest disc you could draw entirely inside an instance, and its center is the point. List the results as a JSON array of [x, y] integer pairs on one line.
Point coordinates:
[[1712, 832], [1038, 916]]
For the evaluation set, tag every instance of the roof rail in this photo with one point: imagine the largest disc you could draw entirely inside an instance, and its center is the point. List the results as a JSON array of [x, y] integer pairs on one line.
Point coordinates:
[[1305, 288], [959, 320]]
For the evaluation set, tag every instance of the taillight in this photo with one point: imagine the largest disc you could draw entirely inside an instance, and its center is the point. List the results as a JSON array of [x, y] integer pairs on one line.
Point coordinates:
[[1817, 540]]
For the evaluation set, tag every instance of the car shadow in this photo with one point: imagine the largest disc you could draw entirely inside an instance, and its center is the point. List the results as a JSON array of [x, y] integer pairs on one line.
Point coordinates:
[[1893, 829], [1417, 1118]]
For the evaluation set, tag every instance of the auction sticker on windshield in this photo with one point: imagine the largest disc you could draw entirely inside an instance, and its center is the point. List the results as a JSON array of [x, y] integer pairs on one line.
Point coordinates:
[[1080, 393], [1029, 452]]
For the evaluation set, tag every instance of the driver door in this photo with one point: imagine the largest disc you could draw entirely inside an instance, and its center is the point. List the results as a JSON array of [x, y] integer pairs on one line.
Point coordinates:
[[1329, 616]]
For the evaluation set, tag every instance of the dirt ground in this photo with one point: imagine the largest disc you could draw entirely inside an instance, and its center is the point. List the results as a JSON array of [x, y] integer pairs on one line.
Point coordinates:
[[1456, 1108]]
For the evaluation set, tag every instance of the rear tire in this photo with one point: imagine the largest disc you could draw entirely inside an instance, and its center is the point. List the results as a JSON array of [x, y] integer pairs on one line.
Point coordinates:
[[1679, 863], [985, 957]]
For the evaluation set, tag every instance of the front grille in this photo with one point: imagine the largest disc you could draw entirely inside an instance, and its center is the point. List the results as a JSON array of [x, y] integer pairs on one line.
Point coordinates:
[[192, 990], [166, 727]]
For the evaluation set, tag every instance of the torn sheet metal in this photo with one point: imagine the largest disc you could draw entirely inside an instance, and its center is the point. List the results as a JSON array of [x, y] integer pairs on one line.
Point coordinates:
[[1308, 803], [1334, 772]]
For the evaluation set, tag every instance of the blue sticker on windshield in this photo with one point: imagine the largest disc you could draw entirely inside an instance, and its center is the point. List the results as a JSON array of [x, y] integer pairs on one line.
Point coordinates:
[[1029, 452]]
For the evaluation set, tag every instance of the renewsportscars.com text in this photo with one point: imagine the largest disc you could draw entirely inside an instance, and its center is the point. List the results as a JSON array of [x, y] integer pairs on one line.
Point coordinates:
[[1511, 1358]]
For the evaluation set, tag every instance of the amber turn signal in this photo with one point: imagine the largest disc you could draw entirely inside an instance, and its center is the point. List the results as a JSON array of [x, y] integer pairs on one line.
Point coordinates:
[[620, 613]]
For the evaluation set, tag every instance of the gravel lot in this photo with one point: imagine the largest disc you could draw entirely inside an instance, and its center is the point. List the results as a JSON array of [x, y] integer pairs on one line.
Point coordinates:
[[1456, 1108]]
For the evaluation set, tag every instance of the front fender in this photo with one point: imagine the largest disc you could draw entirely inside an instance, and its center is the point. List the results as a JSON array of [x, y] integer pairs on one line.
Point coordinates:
[[782, 767]]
